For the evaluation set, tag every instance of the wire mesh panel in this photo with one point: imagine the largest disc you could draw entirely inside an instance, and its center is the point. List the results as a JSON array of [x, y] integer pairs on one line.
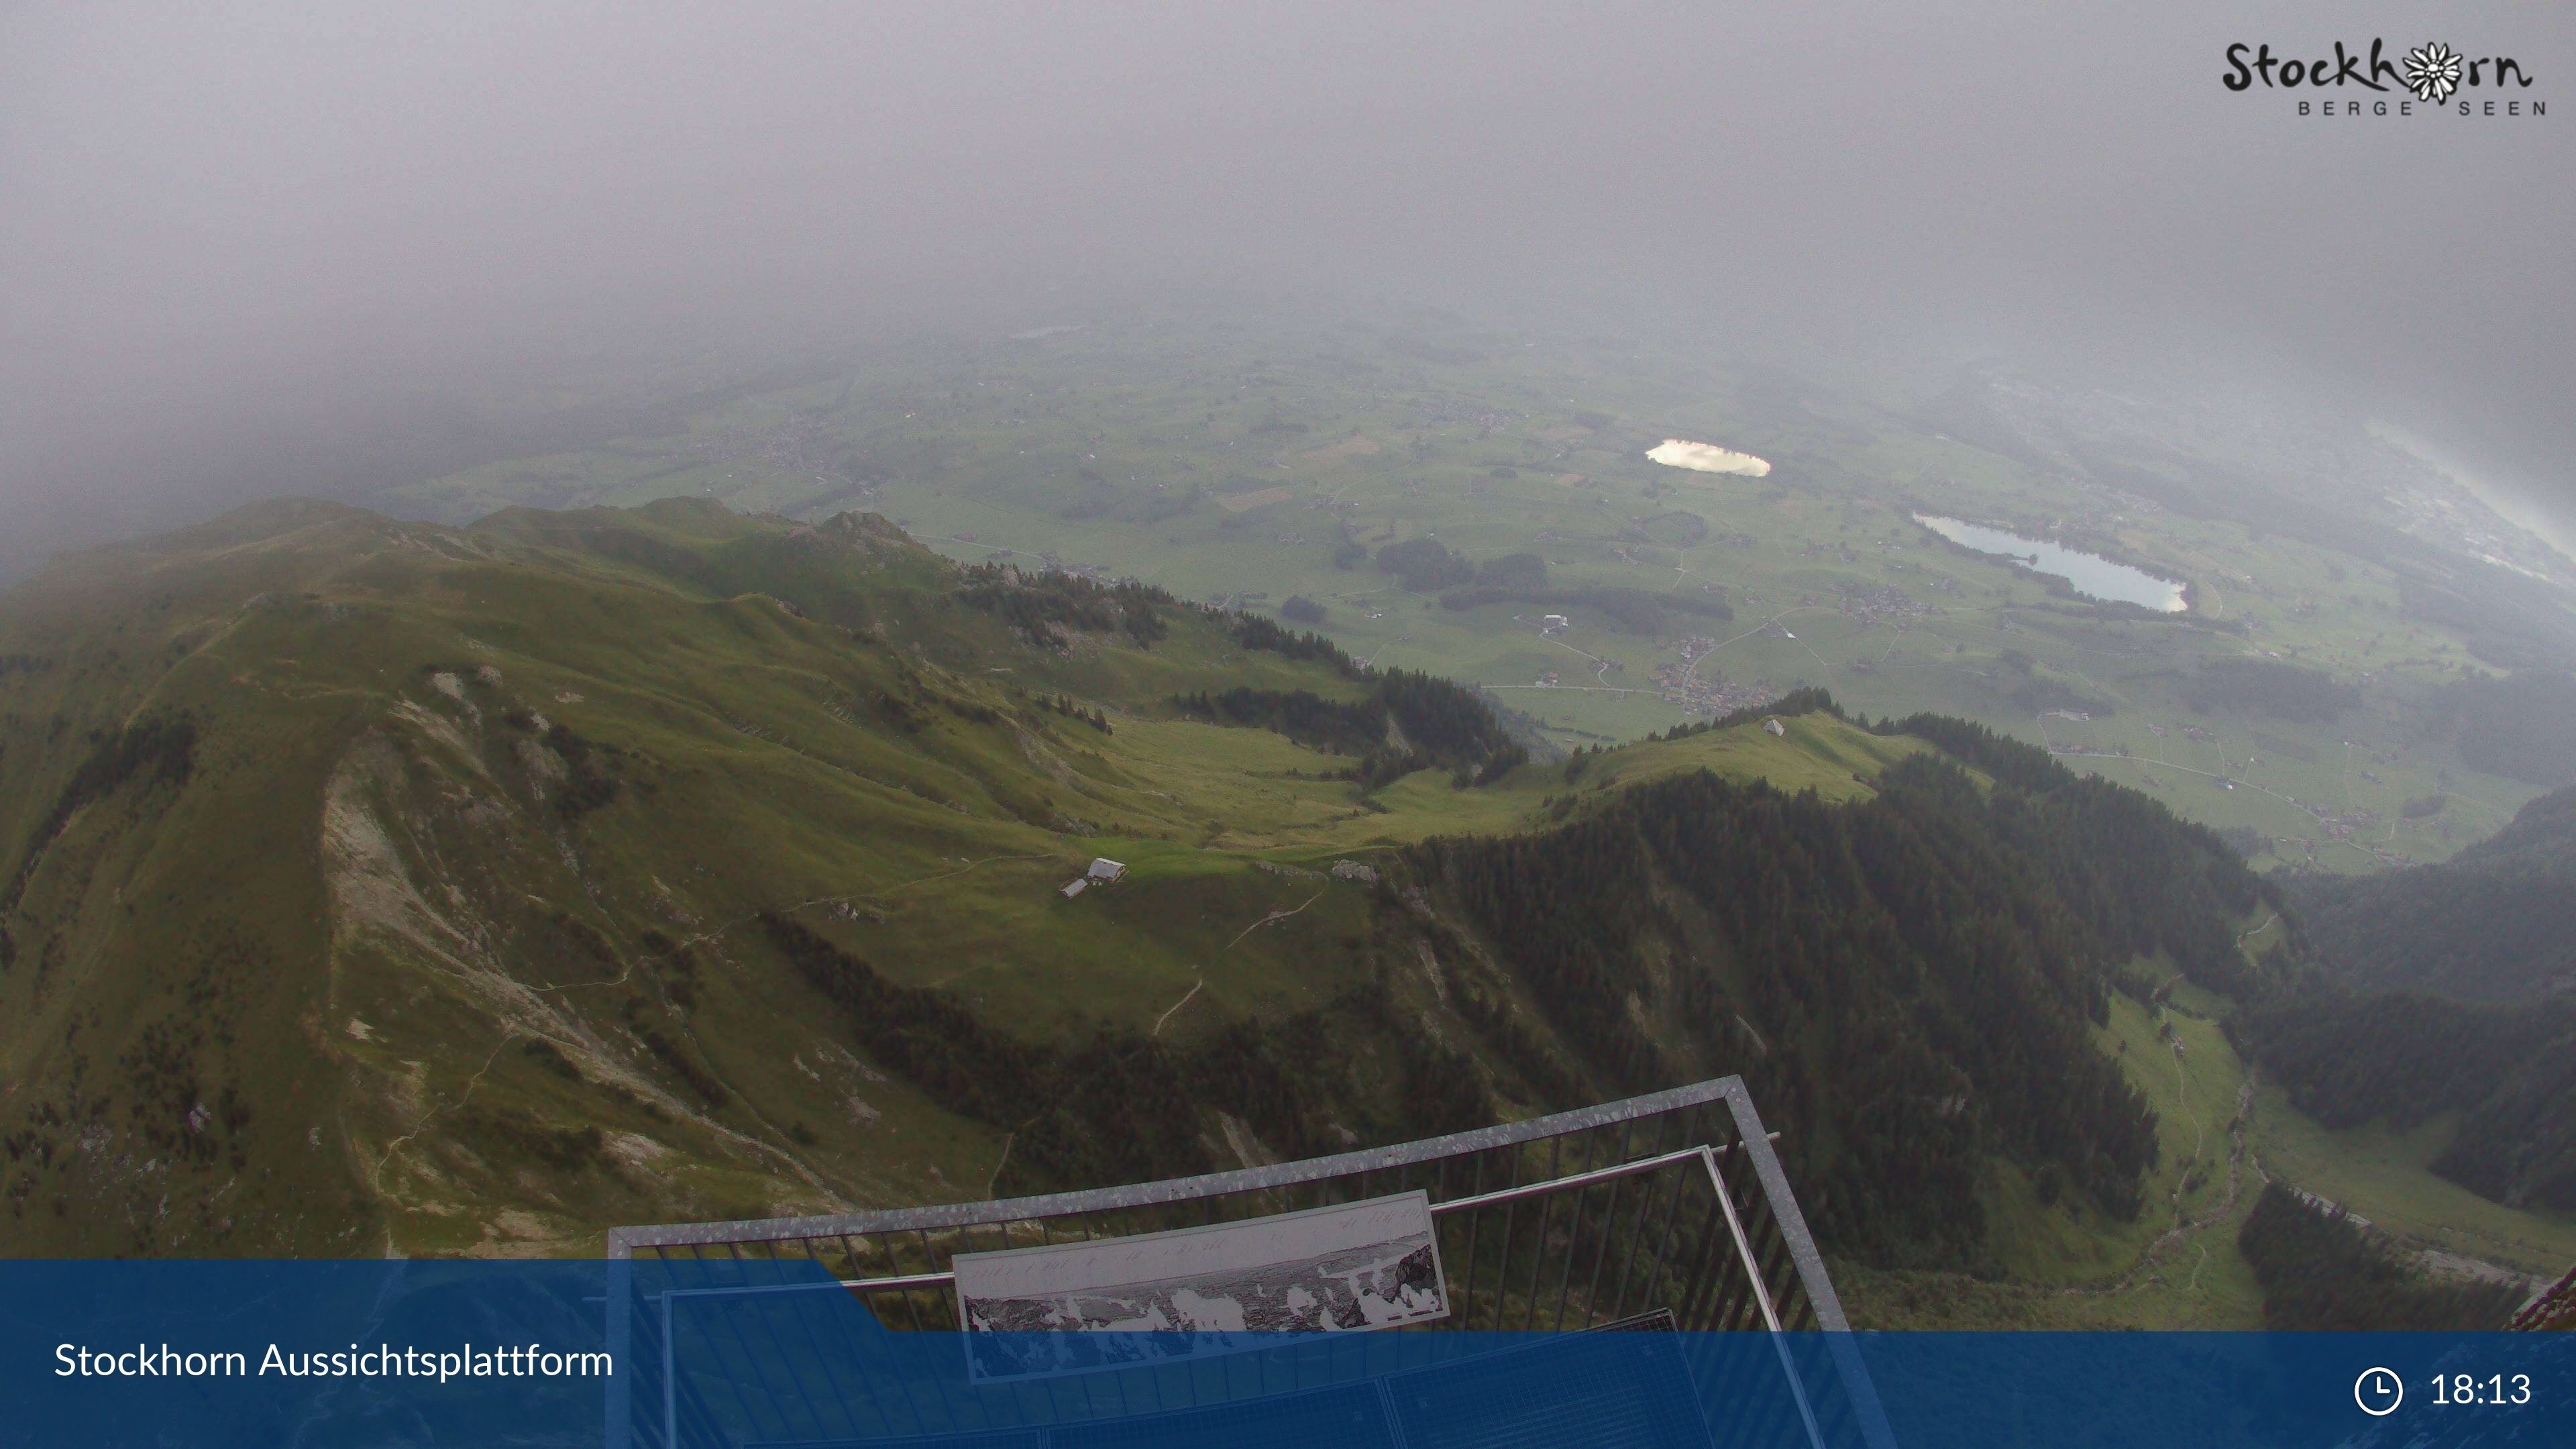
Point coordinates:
[[1668, 1209]]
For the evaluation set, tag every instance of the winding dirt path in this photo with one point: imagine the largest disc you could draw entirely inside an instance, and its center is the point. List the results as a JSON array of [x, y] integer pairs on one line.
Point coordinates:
[[1273, 916], [377, 1178], [1177, 1005]]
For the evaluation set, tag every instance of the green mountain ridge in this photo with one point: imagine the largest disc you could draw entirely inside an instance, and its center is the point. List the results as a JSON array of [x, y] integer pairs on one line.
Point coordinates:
[[384, 886], [471, 824]]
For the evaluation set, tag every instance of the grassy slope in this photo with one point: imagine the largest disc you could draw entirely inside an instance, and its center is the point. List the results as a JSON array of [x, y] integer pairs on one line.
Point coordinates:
[[2386, 1177], [402, 912]]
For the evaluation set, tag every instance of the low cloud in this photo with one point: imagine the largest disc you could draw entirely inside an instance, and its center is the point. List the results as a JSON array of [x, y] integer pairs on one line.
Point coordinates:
[[246, 249]]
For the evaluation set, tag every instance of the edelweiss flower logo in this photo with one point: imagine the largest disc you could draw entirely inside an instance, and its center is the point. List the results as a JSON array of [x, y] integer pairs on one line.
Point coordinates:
[[2433, 72]]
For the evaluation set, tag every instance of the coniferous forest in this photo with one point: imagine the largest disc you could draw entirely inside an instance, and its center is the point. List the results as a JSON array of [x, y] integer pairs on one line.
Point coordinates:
[[2402, 1058], [1909, 983]]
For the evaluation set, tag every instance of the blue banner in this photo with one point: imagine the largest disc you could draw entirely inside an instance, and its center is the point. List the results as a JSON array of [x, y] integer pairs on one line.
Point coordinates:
[[738, 1353]]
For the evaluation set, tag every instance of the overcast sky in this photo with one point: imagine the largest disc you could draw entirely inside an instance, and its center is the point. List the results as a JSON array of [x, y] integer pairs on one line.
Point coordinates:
[[221, 223]]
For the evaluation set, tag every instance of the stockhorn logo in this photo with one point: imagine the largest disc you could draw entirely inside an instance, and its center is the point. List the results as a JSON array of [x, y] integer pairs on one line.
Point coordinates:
[[2432, 72], [2431, 75]]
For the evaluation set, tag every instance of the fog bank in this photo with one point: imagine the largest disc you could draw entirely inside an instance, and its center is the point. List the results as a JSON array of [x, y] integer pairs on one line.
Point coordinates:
[[241, 247]]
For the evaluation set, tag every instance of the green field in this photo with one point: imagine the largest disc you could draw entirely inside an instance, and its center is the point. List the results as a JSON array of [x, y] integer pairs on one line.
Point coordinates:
[[2385, 1176]]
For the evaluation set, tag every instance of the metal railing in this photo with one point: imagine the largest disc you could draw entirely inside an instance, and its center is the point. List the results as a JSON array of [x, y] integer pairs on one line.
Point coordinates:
[[1672, 1204]]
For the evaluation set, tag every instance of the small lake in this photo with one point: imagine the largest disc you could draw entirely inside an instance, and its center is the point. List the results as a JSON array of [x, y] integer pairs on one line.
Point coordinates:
[[2093, 576]]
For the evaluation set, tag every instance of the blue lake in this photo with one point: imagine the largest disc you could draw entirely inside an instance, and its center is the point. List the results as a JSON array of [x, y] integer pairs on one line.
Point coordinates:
[[2093, 576]]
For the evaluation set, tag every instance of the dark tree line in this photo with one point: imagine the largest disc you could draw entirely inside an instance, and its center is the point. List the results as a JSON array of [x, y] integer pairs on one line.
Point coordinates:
[[1448, 721], [1512, 571], [1064, 704], [2149, 880], [1043, 606], [1300, 714], [1425, 564], [1805, 699], [1442, 724], [1253, 631], [1406, 722], [2488, 930]]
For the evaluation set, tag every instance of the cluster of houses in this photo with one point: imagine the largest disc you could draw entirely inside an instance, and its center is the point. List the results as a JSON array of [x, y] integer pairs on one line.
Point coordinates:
[[1708, 693], [1881, 605]]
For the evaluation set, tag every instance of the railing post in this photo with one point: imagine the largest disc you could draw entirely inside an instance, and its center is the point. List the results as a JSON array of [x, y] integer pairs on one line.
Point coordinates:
[[619, 1424], [1822, 1301]]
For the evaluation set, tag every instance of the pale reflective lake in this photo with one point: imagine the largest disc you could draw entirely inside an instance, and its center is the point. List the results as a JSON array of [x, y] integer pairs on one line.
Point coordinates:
[[2093, 576], [1707, 458]]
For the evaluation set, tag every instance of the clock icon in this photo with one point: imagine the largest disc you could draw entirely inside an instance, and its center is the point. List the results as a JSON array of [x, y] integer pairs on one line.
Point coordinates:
[[2379, 1391]]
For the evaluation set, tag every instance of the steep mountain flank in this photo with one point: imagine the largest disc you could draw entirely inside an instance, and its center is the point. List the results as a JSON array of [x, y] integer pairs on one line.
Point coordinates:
[[373, 883], [1907, 980], [2490, 924], [375, 886]]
